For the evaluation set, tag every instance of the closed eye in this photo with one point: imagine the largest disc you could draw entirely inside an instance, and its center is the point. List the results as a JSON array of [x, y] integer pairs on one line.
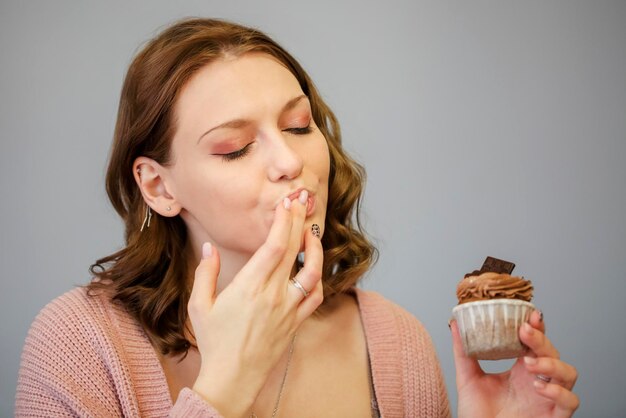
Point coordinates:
[[300, 131], [236, 154]]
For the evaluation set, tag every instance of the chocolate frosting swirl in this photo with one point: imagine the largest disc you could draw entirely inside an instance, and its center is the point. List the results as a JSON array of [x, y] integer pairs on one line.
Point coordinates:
[[490, 285]]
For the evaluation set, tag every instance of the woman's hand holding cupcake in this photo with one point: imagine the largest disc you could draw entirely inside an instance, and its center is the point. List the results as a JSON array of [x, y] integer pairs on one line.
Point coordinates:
[[523, 391]]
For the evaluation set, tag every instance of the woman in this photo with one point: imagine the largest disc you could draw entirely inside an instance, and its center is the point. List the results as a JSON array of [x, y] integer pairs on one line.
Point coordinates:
[[226, 164]]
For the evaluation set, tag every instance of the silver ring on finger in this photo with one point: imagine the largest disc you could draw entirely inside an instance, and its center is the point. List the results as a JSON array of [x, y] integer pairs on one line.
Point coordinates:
[[299, 287], [544, 378]]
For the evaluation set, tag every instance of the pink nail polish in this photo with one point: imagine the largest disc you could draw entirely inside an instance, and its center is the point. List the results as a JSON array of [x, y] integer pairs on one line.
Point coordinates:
[[528, 328], [304, 196], [207, 250], [530, 360], [286, 203]]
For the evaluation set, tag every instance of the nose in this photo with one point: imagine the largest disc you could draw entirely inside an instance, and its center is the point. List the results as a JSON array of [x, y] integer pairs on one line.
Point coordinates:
[[284, 161]]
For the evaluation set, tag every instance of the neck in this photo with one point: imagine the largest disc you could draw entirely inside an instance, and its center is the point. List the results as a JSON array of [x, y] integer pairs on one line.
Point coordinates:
[[231, 262]]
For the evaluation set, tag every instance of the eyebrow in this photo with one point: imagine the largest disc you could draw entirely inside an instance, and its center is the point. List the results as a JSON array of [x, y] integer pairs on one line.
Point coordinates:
[[240, 123]]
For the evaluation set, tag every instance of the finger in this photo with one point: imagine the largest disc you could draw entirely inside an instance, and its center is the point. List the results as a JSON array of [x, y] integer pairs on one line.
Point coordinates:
[[467, 368], [283, 271], [205, 281], [264, 261], [309, 304], [555, 369], [311, 273], [537, 341], [536, 320], [566, 402]]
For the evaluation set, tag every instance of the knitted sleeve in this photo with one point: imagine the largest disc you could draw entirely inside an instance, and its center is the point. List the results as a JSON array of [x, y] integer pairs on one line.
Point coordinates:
[[76, 362], [61, 372]]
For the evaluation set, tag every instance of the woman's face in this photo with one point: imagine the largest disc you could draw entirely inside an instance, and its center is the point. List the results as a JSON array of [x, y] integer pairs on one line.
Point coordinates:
[[245, 139]]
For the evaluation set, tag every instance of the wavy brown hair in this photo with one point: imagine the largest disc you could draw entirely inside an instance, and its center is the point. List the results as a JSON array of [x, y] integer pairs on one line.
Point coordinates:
[[148, 276]]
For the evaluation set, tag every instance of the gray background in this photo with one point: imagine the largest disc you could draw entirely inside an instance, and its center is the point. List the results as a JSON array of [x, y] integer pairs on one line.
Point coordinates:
[[487, 128]]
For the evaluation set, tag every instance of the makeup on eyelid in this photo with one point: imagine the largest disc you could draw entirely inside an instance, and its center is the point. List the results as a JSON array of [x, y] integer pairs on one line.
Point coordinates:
[[224, 149], [228, 147]]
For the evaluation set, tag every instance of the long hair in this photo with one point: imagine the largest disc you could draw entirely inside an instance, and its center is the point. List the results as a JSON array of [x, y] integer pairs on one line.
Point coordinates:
[[148, 276]]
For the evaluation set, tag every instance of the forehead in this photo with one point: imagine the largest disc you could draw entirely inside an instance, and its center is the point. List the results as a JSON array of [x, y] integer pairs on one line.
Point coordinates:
[[235, 87]]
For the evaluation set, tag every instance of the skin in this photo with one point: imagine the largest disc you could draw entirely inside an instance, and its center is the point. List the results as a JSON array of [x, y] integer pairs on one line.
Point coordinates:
[[247, 219]]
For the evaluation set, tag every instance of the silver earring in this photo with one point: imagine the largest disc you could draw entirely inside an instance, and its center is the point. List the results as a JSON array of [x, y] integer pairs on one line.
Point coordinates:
[[147, 219], [168, 208]]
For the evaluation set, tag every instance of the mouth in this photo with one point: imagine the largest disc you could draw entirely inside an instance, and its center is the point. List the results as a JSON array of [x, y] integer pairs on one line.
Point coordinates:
[[310, 202]]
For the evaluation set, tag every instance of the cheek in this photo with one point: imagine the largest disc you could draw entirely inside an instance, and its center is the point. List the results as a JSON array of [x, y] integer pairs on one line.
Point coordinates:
[[321, 162], [318, 161], [228, 199], [217, 197], [228, 205]]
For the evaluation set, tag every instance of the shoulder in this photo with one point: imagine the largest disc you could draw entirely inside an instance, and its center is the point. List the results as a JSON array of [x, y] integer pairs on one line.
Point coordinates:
[[68, 351], [77, 301], [68, 315], [69, 330], [74, 317]]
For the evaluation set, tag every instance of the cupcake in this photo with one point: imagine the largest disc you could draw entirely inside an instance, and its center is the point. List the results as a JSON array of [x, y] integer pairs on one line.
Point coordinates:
[[492, 307]]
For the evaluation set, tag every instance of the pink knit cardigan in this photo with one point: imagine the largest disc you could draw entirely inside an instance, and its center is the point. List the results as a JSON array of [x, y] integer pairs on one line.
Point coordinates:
[[86, 356]]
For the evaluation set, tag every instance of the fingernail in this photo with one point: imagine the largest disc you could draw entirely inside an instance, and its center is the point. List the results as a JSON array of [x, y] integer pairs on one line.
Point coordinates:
[[530, 360], [304, 196], [315, 230], [528, 329], [286, 203], [539, 384], [207, 250]]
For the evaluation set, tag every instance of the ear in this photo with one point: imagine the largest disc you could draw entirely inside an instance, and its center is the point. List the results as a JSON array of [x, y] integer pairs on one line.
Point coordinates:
[[151, 177]]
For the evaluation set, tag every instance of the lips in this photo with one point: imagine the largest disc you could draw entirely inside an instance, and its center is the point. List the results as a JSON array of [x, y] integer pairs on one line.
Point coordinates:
[[310, 202]]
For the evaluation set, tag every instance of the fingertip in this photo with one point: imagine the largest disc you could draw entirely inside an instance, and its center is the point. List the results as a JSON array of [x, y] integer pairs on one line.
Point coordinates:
[[530, 361], [528, 329], [454, 328], [457, 344], [207, 250], [536, 320], [304, 195]]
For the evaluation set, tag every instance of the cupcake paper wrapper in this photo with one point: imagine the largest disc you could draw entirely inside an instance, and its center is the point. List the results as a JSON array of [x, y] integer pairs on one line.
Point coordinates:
[[490, 328]]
